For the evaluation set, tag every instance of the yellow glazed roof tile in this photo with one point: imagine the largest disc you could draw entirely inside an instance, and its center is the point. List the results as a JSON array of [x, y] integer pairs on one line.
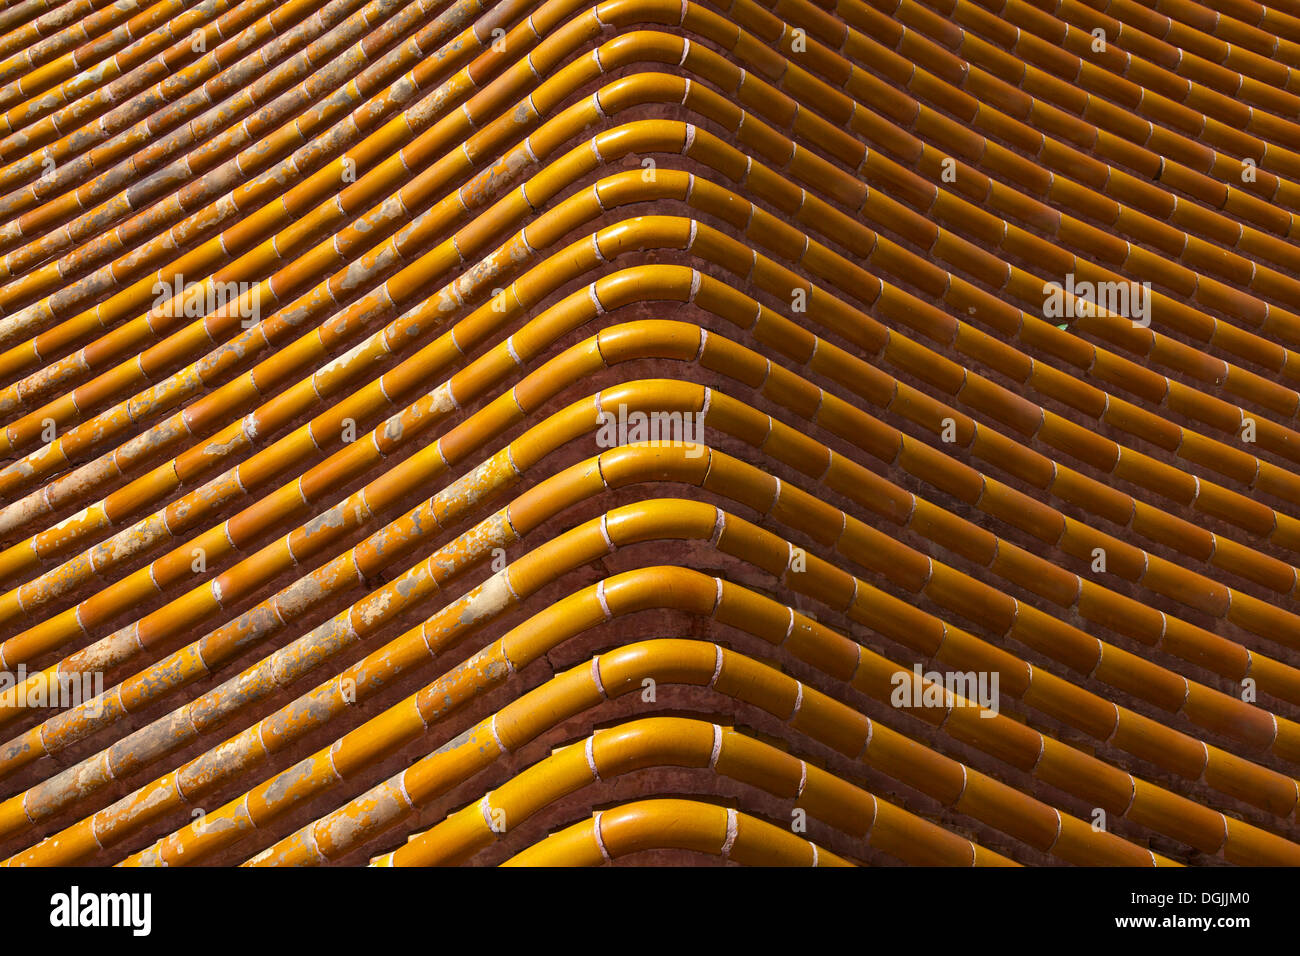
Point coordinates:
[[417, 417]]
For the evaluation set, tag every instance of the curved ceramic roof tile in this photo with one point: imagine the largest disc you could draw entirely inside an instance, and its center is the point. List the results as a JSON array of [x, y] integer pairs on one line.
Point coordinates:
[[392, 392]]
